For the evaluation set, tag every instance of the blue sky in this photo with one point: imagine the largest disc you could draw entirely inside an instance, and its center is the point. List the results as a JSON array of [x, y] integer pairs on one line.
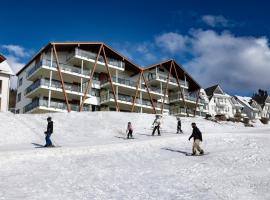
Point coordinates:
[[223, 42]]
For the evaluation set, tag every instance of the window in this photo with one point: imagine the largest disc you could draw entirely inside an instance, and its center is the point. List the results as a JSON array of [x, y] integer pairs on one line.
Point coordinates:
[[20, 81], [17, 111], [0, 86], [19, 97]]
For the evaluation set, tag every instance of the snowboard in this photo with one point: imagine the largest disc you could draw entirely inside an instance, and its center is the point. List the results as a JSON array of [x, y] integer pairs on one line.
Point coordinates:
[[48, 147], [205, 153]]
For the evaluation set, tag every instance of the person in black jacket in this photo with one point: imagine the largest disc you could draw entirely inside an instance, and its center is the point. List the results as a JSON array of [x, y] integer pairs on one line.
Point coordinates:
[[179, 130], [49, 132], [197, 137]]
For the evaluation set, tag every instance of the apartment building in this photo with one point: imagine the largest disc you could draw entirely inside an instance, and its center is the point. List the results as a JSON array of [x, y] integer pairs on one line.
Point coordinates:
[[5, 75], [219, 102], [64, 77]]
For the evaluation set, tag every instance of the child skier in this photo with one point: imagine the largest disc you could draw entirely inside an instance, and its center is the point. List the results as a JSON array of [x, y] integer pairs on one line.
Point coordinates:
[[156, 125], [179, 130], [197, 137], [129, 130], [49, 132]]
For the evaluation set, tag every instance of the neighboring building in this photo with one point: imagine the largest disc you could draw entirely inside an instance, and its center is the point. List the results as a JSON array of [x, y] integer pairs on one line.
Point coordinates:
[[264, 102], [117, 83], [250, 107], [219, 102], [237, 107], [5, 75]]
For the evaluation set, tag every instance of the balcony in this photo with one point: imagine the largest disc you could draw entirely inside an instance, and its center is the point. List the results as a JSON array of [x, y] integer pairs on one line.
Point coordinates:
[[164, 78], [121, 81], [54, 106], [177, 111], [129, 100], [132, 85], [91, 56], [221, 104], [182, 111], [188, 98], [56, 85], [64, 68]]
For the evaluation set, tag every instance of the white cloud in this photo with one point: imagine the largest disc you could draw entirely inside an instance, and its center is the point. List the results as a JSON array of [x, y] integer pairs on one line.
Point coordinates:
[[239, 64], [216, 21], [171, 42], [16, 50], [16, 56]]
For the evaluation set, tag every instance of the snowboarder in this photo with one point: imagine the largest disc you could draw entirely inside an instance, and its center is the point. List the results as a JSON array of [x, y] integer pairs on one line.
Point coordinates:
[[156, 125], [179, 130], [49, 132], [197, 137], [129, 130]]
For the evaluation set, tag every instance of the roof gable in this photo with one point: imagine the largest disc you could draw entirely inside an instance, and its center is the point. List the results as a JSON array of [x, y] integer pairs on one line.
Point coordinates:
[[181, 72], [5, 68]]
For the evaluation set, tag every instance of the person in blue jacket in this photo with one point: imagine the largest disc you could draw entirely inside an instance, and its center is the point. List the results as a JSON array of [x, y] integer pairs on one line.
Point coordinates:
[[49, 132]]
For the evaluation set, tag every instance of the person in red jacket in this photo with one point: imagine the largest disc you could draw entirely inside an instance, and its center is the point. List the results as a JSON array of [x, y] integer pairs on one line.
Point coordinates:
[[197, 137]]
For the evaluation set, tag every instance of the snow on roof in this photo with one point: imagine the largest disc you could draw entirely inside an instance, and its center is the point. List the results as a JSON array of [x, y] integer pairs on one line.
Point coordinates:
[[245, 101], [5, 68]]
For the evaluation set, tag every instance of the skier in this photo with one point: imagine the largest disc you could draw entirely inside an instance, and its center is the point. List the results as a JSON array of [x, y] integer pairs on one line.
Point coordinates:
[[179, 130], [129, 130], [156, 125], [197, 137], [49, 132]]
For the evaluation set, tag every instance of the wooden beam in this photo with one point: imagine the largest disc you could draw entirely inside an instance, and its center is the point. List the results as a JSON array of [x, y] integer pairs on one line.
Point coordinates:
[[178, 82], [110, 77], [154, 109], [61, 78], [91, 74], [137, 88], [166, 90]]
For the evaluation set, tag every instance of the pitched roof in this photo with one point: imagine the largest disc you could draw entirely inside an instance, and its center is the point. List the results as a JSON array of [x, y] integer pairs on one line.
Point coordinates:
[[4, 66], [213, 89], [249, 102]]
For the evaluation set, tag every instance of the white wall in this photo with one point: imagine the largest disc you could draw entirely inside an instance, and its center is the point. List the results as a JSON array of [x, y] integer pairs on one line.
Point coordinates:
[[227, 110], [4, 93], [21, 89]]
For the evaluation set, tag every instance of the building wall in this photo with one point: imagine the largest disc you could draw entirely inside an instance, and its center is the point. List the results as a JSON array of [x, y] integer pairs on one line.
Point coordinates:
[[266, 111], [21, 90], [213, 107], [4, 92]]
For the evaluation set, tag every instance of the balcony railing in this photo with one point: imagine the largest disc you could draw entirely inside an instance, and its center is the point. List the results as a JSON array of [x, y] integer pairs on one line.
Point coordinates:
[[93, 56], [177, 110], [121, 81], [129, 99], [54, 84], [57, 85], [131, 84], [53, 104], [177, 96], [63, 66]]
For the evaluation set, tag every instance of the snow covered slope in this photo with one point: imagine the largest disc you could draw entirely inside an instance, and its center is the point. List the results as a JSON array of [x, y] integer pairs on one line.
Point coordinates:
[[97, 162]]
